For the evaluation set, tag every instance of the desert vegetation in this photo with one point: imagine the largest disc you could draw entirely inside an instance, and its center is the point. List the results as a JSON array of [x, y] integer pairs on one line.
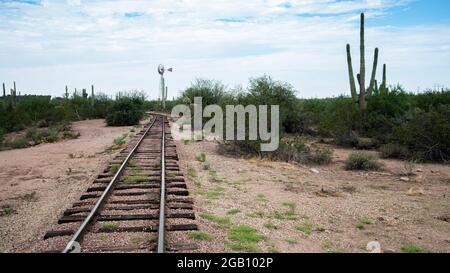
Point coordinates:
[[398, 123], [38, 119]]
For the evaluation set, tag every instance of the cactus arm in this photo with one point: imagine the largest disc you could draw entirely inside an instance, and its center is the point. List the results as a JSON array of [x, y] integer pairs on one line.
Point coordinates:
[[374, 73], [350, 74], [383, 83]]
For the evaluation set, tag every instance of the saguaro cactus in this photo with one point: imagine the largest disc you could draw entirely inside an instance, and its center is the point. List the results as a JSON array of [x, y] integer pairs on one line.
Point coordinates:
[[66, 94], [361, 98], [13, 95], [383, 87], [4, 90], [92, 95]]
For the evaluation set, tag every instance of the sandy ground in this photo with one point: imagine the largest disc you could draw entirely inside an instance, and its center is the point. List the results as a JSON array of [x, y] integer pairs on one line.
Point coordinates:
[[38, 183], [319, 208]]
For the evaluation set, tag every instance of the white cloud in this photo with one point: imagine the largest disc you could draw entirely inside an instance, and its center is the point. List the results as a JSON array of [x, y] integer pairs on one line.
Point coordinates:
[[117, 44]]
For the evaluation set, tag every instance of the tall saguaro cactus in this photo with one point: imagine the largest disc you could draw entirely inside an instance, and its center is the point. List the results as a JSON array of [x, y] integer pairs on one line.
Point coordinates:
[[4, 90], [362, 66], [92, 95], [361, 98]]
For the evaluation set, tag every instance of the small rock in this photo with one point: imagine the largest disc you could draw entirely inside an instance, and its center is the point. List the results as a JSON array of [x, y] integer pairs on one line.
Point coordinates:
[[406, 179], [415, 191], [418, 179], [419, 170], [374, 247], [314, 170], [388, 251]]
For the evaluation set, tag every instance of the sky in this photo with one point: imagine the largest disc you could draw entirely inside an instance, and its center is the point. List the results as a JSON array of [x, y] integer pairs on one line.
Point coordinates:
[[117, 44]]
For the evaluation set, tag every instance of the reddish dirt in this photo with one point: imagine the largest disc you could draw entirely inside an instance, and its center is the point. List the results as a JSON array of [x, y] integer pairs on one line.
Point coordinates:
[[334, 210], [38, 183]]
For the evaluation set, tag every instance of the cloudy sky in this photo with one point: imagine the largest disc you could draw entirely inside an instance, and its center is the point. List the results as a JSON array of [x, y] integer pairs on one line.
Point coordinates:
[[117, 45]]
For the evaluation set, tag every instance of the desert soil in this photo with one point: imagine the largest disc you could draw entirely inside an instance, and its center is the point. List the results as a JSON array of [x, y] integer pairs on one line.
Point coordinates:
[[37, 184], [300, 208]]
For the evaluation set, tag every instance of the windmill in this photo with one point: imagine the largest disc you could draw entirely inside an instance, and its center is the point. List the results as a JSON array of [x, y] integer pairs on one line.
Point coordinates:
[[162, 86]]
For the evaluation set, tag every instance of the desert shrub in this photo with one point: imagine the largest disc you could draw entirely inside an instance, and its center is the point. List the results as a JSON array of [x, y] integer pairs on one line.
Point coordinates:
[[296, 150], [340, 119], [365, 143], [42, 123], [384, 113], [44, 111], [33, 134], [426, 133], [266, 91], [125, 112], [18, 143], [394, 150], [310, 113], [322, 155], [244, 147], [211, 91], [120, 140], [71, 135], [2, 135], [432, 99], [52, 135], [346, 139], [362, 161], [201, 157]]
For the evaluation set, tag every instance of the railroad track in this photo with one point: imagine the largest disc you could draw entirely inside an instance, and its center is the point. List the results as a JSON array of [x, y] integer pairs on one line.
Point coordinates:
[[139, 203]]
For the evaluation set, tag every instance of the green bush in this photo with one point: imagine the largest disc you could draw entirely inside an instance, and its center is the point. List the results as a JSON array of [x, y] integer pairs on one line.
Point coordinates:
[[52, 135], [365, 143], [18, 143], [2, 135], [340, 118], [362, 161], [71, 135], [201, 157], [44, 111], [211, 91], [120, 140], [394, 150], [266, 91], [322, 155], [426, 133], [125, 112]]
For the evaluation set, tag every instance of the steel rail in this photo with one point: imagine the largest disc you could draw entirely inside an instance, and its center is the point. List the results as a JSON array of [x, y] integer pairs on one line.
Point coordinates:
[[162, 204], [70, 247]]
